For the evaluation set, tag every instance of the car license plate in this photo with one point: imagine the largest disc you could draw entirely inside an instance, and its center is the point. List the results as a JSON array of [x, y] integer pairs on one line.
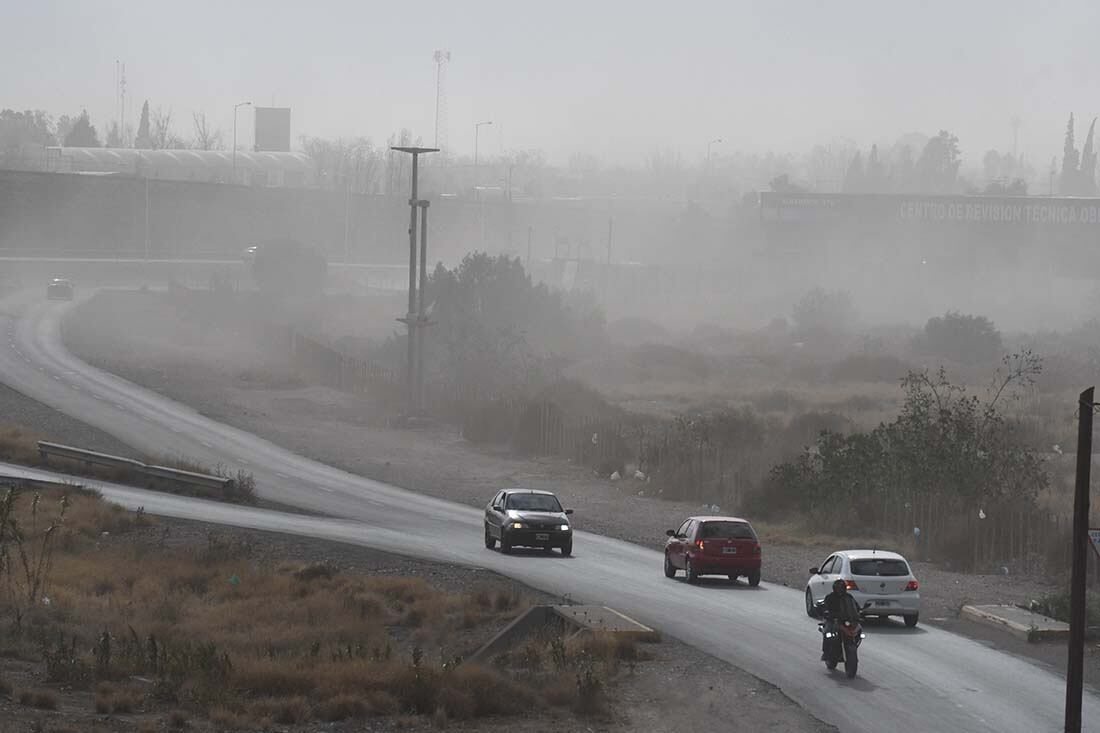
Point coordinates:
[[729, 550], [542, 538], [882, 603]]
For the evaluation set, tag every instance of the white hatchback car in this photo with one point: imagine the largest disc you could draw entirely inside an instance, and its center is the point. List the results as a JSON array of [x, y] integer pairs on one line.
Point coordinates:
[[881, 582]]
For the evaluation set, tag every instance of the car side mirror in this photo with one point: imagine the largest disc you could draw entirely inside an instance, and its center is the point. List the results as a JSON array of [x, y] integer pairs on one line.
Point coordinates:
[[568, 511], [813, 571], [498, 508], [670, 532]]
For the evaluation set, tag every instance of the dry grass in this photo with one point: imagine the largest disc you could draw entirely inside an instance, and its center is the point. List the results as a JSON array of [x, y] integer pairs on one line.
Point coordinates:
[[803, 533], [118, 701], [256, 644], [41, 699]]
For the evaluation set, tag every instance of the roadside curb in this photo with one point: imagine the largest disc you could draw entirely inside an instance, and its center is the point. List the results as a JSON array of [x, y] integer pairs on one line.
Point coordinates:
[[1028, 626]]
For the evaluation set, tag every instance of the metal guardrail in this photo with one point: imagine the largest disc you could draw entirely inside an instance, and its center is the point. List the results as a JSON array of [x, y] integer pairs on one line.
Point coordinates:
[[46, 449]]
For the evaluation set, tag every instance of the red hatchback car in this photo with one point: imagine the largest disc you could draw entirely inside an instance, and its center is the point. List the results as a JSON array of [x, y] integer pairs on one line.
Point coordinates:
[[713, 546]]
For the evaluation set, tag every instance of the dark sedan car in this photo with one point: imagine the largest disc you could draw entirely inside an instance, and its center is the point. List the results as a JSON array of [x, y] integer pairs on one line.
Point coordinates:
[[59, 289], [527, 518]]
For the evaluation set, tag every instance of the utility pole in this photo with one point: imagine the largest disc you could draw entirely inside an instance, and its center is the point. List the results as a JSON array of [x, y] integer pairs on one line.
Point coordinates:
[[1076, 665], [411, 320], [610, 221], [530, 233], [422, 305]]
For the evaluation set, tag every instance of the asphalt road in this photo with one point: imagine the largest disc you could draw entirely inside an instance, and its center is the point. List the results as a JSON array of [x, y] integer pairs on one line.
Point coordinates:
[[923, 679]]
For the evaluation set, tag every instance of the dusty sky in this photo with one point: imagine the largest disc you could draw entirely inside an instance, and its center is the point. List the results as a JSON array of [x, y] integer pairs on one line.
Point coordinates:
[[615, 79]]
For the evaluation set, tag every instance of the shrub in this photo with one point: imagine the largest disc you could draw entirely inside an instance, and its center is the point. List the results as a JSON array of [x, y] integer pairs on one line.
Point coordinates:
[[960, 338], [342, 707], [822, 315], [41, 699], [868, 368]]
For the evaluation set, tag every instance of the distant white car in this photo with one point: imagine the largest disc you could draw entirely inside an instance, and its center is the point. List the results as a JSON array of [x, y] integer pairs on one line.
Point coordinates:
[[881, 582], [59, 289]]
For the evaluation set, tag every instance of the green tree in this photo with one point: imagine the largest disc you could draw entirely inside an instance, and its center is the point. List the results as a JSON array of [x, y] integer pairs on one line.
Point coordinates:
[[1086, 176], [960, 338], [1070, 161], [495, 331], [22, 135], [144, 138], [947, 451], [822, 315], [83, 134], [938, 166]]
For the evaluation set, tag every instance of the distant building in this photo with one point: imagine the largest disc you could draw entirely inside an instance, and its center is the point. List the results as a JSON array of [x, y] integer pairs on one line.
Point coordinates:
[[273, 169]]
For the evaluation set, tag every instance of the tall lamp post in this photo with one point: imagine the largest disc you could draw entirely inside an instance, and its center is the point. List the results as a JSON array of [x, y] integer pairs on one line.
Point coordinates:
[[412, 319], [235, 107], [477, 129], [358, 149]]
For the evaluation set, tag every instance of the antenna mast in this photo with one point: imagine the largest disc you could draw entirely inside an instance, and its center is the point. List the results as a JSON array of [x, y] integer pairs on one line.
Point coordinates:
[[441, 60]]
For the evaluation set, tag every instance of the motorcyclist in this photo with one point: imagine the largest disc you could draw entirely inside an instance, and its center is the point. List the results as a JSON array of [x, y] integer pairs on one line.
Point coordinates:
[[840, 606]]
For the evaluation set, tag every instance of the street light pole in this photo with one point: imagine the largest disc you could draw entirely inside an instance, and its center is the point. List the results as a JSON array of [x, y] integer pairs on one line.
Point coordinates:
[[347, 204], [477, 130], [411, 320], [240, 104]]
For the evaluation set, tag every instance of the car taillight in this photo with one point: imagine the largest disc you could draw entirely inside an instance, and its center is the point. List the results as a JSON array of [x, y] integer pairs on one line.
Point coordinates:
[[851, 585], [756, 549], [699, 544], [913, 585]]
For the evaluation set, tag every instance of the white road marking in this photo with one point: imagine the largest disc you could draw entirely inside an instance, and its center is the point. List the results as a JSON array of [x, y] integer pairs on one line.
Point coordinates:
[[281, 475], [205, 444], [97, 396]]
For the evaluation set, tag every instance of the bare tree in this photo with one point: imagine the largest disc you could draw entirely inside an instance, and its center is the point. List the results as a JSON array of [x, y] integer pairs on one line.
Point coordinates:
[[163, 137], [205, 137]]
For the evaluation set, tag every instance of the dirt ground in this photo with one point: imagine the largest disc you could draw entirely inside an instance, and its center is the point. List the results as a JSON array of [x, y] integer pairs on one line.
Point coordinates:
[[675, 685]]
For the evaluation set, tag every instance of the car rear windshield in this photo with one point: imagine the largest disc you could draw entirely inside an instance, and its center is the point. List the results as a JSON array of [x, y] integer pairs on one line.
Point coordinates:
[[726, 531], [533, 503], [880, 567]]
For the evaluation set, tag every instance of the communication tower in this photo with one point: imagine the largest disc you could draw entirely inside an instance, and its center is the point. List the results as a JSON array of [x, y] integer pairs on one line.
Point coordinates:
[[441, 60]]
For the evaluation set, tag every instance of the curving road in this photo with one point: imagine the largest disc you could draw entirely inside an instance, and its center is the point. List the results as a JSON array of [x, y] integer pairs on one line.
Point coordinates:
[[924, 679]]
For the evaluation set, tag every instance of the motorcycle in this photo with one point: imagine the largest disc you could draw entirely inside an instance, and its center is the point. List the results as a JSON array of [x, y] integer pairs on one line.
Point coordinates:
[[841, 642]]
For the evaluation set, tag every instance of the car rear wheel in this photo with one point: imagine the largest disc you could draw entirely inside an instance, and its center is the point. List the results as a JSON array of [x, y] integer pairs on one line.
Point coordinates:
[[689, 572], [754, 578], [911, 621], [567, 549], [670, 572], [490, 542], [810, 610]]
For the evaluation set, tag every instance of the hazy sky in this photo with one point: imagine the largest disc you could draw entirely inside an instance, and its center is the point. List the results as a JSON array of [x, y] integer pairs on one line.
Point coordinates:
[[616, 79]]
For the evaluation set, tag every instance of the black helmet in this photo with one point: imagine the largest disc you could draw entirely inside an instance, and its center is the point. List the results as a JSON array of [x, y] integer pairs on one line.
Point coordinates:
[[839, 586]]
